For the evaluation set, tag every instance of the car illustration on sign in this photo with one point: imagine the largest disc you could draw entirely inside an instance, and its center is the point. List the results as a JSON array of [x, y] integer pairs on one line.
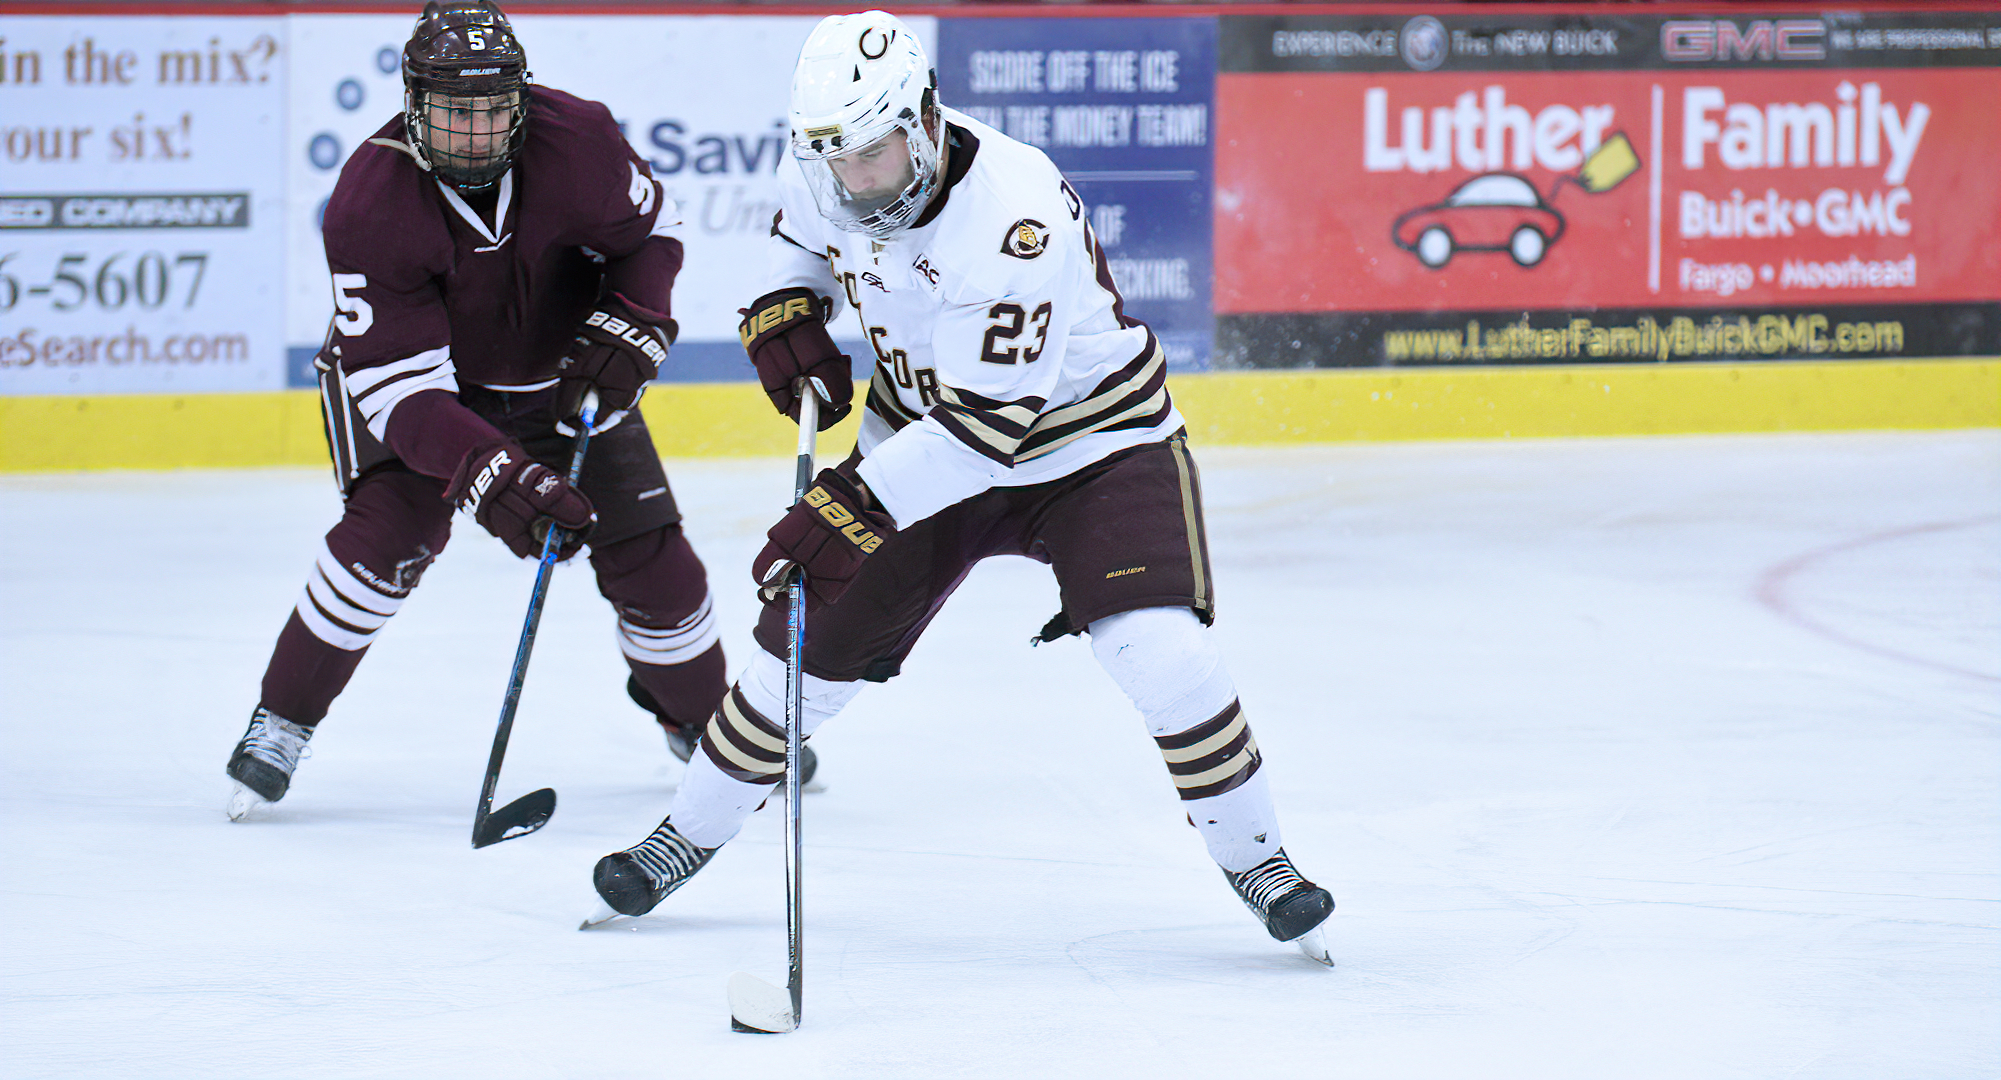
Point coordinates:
[[1503, 212], [1493, 212]]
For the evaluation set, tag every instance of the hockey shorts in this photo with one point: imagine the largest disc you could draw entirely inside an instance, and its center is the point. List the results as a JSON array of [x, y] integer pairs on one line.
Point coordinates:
[[1121, 534]]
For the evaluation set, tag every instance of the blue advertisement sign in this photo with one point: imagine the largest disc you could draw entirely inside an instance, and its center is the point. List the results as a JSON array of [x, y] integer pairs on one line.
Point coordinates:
[[1124, 106]]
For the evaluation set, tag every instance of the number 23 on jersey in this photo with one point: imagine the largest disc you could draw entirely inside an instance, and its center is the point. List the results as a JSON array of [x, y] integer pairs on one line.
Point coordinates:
[[1009, 320]]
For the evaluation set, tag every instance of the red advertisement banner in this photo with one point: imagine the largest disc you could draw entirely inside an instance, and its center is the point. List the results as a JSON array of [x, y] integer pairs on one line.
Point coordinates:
[[1531, 191]]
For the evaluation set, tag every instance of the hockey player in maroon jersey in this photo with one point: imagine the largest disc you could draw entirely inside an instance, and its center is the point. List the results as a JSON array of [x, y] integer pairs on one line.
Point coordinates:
[[1015, 409], [497, 251]]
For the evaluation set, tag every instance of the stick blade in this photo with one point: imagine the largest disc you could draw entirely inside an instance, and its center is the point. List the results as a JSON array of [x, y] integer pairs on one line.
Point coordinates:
[[518, 818], [759, 1007]]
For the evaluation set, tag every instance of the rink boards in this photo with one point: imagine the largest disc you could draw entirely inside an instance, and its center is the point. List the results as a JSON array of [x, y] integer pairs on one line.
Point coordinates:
[[1741, 221], [154, 431]]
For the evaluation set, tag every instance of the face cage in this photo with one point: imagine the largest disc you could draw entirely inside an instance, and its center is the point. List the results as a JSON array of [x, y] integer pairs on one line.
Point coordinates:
[[876, 216], [466, 172]]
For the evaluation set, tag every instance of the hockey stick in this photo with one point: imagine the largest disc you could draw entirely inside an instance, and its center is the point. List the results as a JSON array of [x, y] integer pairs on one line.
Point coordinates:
[[531, 811], [756, 1005]]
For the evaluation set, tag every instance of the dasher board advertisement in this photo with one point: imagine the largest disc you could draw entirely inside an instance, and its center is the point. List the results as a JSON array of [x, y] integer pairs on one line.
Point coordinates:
[[701, 99], [1416, 189], [1122, 106], [140, 204]]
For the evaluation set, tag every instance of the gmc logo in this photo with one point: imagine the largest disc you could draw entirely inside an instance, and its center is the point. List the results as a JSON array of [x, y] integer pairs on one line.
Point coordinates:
[[1697, 40]]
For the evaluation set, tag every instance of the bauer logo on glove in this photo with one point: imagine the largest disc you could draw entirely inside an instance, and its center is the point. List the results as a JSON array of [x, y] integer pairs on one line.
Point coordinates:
[[476, 493], [518, 498], [617, 350], [842, 520], [645, 339], [835, 506], [785, 333], [774, 316]]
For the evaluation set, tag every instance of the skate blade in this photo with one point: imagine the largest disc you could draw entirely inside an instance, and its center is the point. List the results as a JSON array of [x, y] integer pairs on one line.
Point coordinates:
[[1314, 944], [757, 1006], [242, 802], [601, 916]]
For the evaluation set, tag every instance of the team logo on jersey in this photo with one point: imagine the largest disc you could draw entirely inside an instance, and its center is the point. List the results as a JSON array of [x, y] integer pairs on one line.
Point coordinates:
[[1025, 239], [924, 269], [871, 279]]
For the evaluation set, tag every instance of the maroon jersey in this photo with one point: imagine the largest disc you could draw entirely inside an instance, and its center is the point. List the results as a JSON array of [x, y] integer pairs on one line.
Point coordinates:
[[436, 291]]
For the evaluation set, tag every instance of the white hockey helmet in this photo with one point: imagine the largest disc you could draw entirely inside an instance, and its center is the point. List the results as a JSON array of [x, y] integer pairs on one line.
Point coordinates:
[[860, 96]]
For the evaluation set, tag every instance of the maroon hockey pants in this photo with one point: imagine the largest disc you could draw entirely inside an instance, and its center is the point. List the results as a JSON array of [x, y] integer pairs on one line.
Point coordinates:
[[397, 521]]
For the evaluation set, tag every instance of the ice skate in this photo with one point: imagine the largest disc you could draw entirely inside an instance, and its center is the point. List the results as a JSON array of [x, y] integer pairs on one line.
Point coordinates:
[[634, 881], [1291, 907], [681, 741], [264, 761]]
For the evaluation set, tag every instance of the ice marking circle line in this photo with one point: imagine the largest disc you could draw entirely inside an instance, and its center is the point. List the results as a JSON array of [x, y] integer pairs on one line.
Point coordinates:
[[1771, 592]]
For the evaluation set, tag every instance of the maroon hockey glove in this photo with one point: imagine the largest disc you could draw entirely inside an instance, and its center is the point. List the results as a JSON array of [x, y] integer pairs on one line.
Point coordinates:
[[518, 498], [829, 533], [617, 351], [785, 333]]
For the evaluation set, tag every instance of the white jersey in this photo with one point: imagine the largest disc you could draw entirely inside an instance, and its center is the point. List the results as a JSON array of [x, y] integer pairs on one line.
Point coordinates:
[[1002, 354]]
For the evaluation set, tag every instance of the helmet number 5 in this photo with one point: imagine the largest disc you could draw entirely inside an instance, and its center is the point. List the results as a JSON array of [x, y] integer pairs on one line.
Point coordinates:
[[1008, 323], [476, 37], [355, 315]]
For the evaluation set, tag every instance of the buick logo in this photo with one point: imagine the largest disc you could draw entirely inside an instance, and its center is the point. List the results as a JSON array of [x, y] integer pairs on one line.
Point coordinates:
[[1423, 43]]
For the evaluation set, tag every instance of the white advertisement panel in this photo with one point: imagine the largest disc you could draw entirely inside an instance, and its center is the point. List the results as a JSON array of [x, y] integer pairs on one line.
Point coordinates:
[[701, 98], [141, 204]]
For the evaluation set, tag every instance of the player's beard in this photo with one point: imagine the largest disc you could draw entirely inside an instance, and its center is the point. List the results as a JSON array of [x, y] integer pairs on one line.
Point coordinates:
[[885, 208]]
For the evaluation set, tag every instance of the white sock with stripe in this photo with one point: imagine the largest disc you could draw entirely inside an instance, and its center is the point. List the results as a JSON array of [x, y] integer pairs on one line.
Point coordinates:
[[1167, 664], [677, 644], [710, 806]]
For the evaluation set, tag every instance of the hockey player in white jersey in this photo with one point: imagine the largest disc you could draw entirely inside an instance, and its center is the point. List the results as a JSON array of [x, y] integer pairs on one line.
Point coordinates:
[[1015, 409]]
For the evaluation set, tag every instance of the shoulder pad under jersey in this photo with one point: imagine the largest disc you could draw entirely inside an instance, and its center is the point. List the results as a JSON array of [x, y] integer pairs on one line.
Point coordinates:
[[384, 211], [1007, 228]]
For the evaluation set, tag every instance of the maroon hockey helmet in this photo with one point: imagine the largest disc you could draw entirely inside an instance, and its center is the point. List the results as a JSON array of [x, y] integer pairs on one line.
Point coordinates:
[[465, 92]]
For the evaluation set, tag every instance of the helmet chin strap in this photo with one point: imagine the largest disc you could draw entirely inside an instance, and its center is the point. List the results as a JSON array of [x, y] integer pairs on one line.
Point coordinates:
[[933, 125], [944, 140]]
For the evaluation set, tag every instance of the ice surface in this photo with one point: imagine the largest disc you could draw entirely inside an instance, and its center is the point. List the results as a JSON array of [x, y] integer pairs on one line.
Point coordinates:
[[1631, 758]]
